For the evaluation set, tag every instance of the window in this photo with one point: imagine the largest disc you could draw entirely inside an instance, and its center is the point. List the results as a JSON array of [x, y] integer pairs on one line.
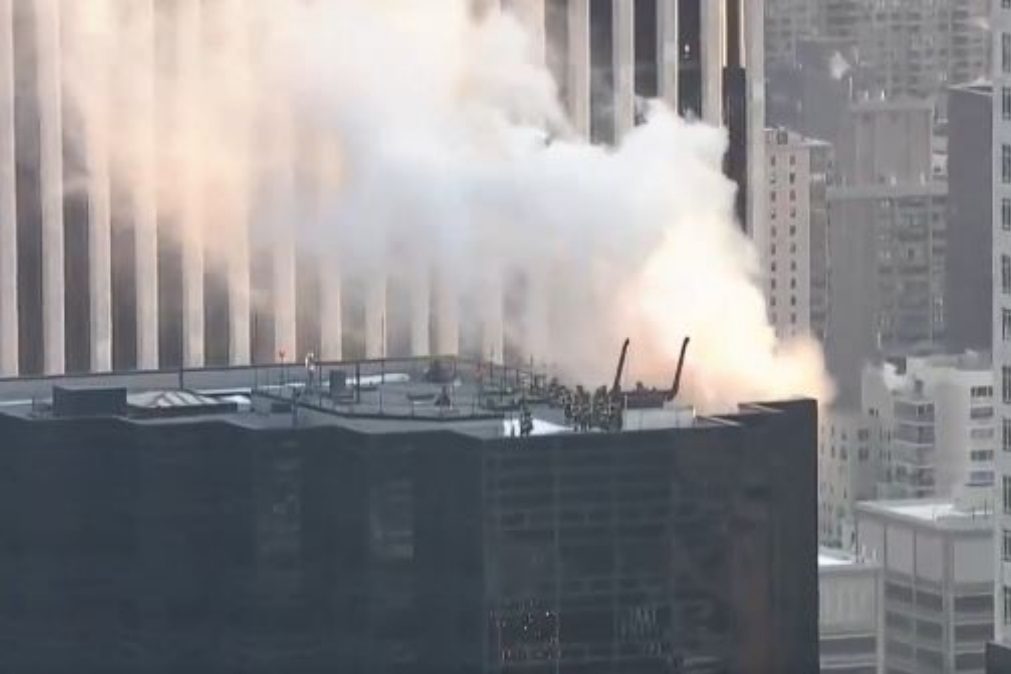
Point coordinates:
[[1005, 102], [772, 284], [772, 249], [793, 193], [1005, 214], [1005, 376], [1005, 440], [793, 159], [1007, 502], [772, 196], [793, 230], [793, 318], [981, 455], [1005, 52], [1006, 547], [1005, 324], [793, 283], [793, 177], [1005, 273], [1005, 162], [1006, 4], [1007, 605]]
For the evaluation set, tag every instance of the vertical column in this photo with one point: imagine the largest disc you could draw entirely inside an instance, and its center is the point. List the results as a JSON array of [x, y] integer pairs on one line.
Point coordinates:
[[713, 56], [421, 309], [538, 316], [145, 201], [330, 324], [283, 223], [96, 109], [284, 244], [579, 65], [667, 52], [447, 332], [754, 64], [531, 14], [375, 313], [493, 323], [623, 27], [50, 101], [8, 196], [188, 31]]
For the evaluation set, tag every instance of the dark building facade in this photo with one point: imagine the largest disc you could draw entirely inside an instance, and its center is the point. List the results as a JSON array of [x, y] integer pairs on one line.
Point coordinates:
[[225, 541], [998, 658], [969, 277]]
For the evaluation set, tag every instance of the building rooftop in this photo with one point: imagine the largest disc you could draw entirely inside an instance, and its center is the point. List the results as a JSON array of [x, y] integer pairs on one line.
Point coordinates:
[[828, 557], [932, 513], [402, 395]]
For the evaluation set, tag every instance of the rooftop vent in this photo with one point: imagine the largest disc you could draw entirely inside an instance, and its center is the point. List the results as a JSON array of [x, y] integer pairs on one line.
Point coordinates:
[[88, 402]]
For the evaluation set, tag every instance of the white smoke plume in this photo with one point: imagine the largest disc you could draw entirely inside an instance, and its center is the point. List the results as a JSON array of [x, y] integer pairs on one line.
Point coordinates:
[[396, 135]]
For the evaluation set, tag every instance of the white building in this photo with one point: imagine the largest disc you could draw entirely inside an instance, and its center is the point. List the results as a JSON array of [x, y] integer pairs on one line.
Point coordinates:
[[937, 575], [848, 469], [932, 423], [799, 171], [850, 614]]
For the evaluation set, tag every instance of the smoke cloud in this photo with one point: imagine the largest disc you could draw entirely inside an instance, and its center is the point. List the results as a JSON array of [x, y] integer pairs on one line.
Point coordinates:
[[400, 137]]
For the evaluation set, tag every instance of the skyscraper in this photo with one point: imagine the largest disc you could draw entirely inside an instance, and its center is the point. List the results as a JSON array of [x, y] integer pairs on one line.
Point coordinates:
[[176, 531], [92, 279]]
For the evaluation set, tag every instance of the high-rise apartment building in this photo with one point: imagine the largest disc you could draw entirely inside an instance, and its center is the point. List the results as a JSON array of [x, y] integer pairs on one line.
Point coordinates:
[[887, 254], [1001, 297], [913, 49], [787, 24], [799, 171], [935, 420]]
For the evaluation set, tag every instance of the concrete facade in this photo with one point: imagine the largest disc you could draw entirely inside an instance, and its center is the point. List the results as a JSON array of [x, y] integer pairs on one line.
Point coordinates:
[[937, 574], [848, 469], [887, 247], [850, 614], [1001, 298], [937, 424], [796, 259]]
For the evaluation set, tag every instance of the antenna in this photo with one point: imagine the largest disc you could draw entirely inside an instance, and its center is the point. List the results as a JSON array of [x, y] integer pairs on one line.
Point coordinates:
[[616, 387], [677, 375]]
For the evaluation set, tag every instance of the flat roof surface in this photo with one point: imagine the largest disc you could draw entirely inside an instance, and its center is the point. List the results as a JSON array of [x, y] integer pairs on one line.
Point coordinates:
[[395, 396], [835, 558], [940, 513]]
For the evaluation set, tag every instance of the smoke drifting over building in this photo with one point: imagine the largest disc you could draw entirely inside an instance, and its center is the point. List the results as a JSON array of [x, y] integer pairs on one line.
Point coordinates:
[[237, 181]]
